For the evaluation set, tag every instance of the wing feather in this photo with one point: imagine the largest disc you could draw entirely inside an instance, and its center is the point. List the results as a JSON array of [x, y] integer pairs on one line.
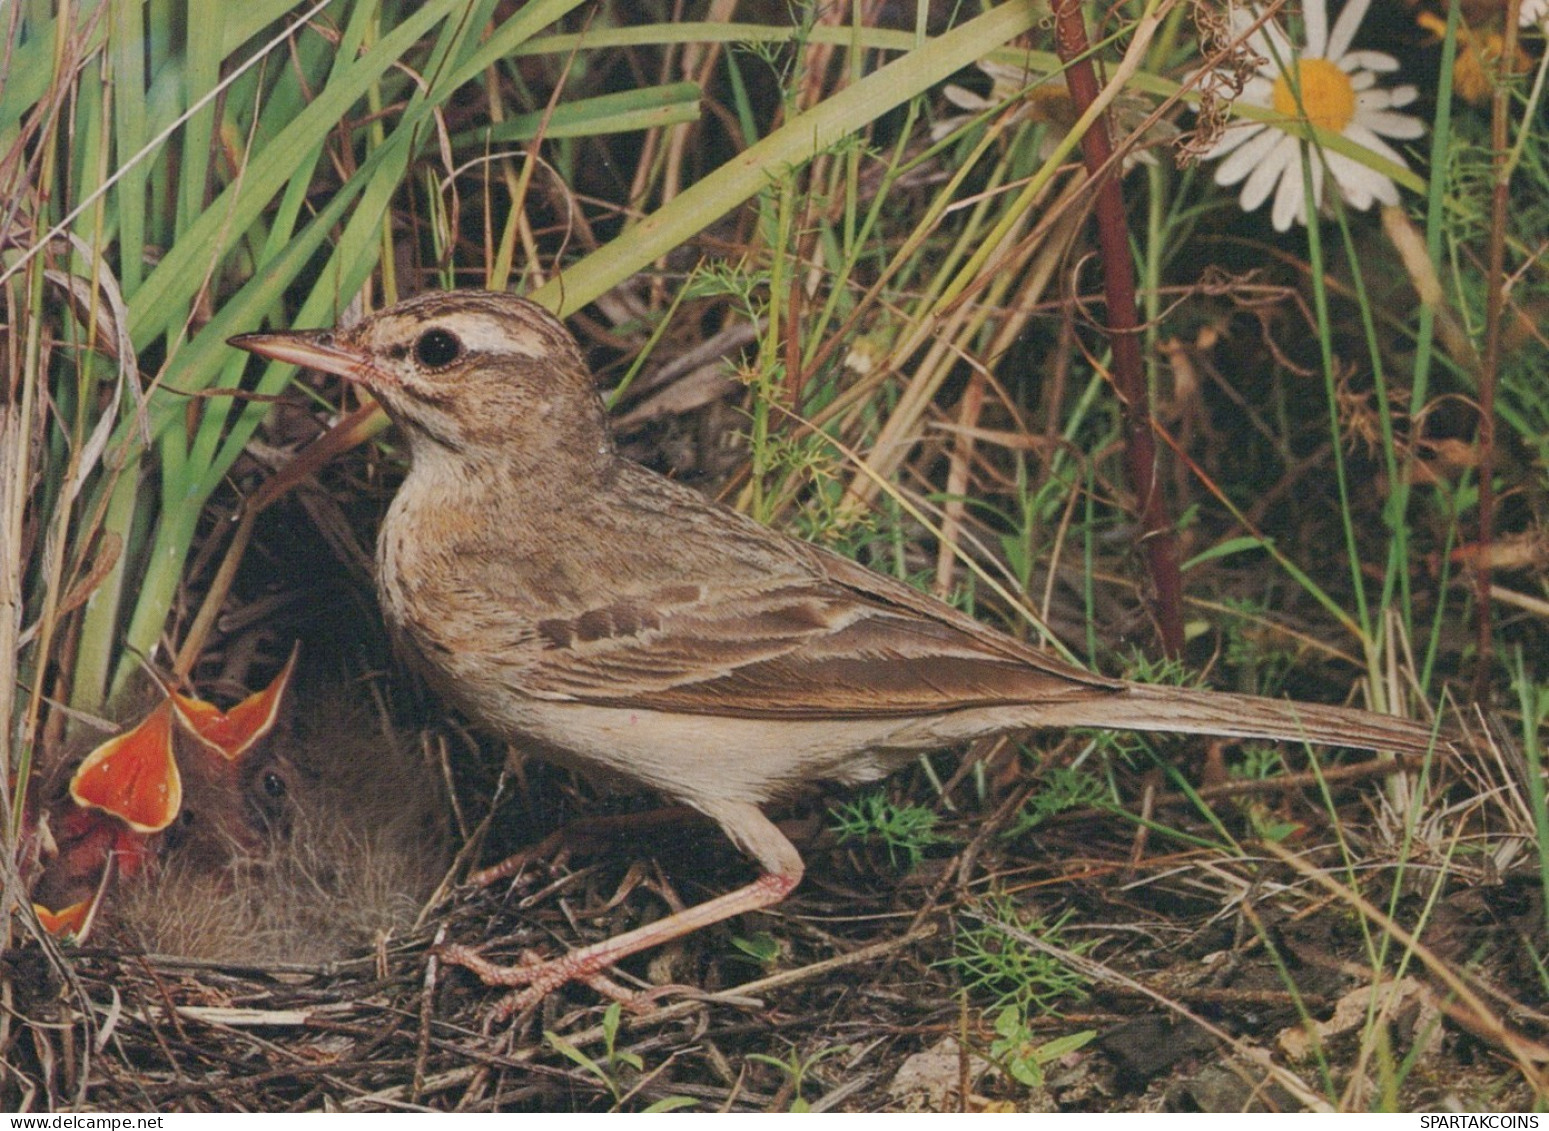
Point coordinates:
[[813, 648]]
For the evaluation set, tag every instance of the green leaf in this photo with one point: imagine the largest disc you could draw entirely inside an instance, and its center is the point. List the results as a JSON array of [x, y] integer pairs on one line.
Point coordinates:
[[760, 946], [671, 1103], [641, 109], [1227, 549]]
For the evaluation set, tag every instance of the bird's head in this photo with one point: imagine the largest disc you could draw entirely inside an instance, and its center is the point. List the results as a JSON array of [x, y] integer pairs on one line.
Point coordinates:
[[470, 372]]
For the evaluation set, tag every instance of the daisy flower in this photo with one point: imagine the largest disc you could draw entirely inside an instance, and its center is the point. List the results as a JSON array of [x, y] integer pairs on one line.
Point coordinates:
[[1324, 83]]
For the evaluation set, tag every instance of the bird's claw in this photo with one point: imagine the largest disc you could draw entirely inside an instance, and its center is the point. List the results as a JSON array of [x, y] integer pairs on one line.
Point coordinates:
[[534, 978]]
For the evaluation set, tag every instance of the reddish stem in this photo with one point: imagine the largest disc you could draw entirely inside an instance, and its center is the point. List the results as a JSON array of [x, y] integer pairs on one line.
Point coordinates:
[[1495, 311], [1128, 379]]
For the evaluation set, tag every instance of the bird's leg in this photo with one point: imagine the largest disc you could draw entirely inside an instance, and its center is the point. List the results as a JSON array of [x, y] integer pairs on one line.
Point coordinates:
[[752, 832], [587, 964]]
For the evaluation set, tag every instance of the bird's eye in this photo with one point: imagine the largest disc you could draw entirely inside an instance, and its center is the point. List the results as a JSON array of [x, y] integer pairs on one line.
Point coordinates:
[[274, 786], [437, 348]]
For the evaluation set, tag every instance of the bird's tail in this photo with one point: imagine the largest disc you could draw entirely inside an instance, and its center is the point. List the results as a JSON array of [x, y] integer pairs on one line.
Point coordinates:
[[1145, 707]]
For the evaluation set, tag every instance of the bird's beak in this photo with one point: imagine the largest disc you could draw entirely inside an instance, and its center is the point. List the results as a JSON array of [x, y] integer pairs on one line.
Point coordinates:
[[314, 349]]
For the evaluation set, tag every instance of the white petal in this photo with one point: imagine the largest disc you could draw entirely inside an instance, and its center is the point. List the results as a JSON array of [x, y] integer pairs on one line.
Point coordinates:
[[1290, 200], [963, 98], [1356, 197], [1362, 136], [1241, 20], [1370, 101], [1258, 91], [1403, 95], [1281, 159], [1390, 125], [1345, 27], [1315, 21], [1234, 138], [1271, 42], [1362, 80], [1348, 175], [1360, 185], [1247, 158], [1379, 61], [1007, 74], [1255, 39]]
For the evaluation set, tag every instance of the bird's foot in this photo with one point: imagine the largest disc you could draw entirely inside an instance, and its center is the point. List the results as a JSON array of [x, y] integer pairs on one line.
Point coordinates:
[[534, 979]]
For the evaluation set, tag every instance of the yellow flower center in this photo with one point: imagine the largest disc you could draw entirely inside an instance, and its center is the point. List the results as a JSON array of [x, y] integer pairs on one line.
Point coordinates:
[[1327, 94]]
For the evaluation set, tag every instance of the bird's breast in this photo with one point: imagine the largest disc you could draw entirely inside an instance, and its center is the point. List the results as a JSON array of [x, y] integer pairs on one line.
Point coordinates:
[[462, 594]]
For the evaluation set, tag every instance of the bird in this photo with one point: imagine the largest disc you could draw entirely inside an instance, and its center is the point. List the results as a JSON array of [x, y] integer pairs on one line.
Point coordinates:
[[616, 621], [300, 831], [187, 780], [331, 836]]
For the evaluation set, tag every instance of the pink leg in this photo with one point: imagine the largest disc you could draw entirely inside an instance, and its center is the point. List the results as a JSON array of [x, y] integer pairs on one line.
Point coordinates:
[[588, 963], [751, 831]]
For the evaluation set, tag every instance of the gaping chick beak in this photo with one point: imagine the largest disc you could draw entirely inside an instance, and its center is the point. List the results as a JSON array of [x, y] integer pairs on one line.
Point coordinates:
[[314, 349]]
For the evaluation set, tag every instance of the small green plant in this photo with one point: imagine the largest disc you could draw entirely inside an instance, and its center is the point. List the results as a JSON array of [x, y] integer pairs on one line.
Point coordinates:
[[1252, 651], [797, 1069], [1018, 1052], [992, 958], [618, 1065], [1259, 763], [1266, 825], [1161, 670], [1064, 789], [762, 947], [907, 829]]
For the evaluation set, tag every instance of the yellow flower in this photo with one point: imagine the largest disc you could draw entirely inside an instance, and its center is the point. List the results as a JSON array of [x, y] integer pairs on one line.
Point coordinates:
[[1477, 63]]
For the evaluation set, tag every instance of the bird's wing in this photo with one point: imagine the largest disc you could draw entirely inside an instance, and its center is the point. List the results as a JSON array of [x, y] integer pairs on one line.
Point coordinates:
[[843, 643]]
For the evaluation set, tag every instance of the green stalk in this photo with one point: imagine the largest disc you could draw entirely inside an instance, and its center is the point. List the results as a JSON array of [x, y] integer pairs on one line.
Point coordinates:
[[1362, 622]]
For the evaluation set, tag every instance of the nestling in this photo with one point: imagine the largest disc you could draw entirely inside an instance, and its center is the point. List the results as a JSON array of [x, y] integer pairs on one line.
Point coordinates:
[[299, 840], [355, 843], [612, 619]]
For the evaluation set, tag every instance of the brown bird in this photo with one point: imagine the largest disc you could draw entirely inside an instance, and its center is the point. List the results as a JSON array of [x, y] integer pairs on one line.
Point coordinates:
[[614, 620]]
